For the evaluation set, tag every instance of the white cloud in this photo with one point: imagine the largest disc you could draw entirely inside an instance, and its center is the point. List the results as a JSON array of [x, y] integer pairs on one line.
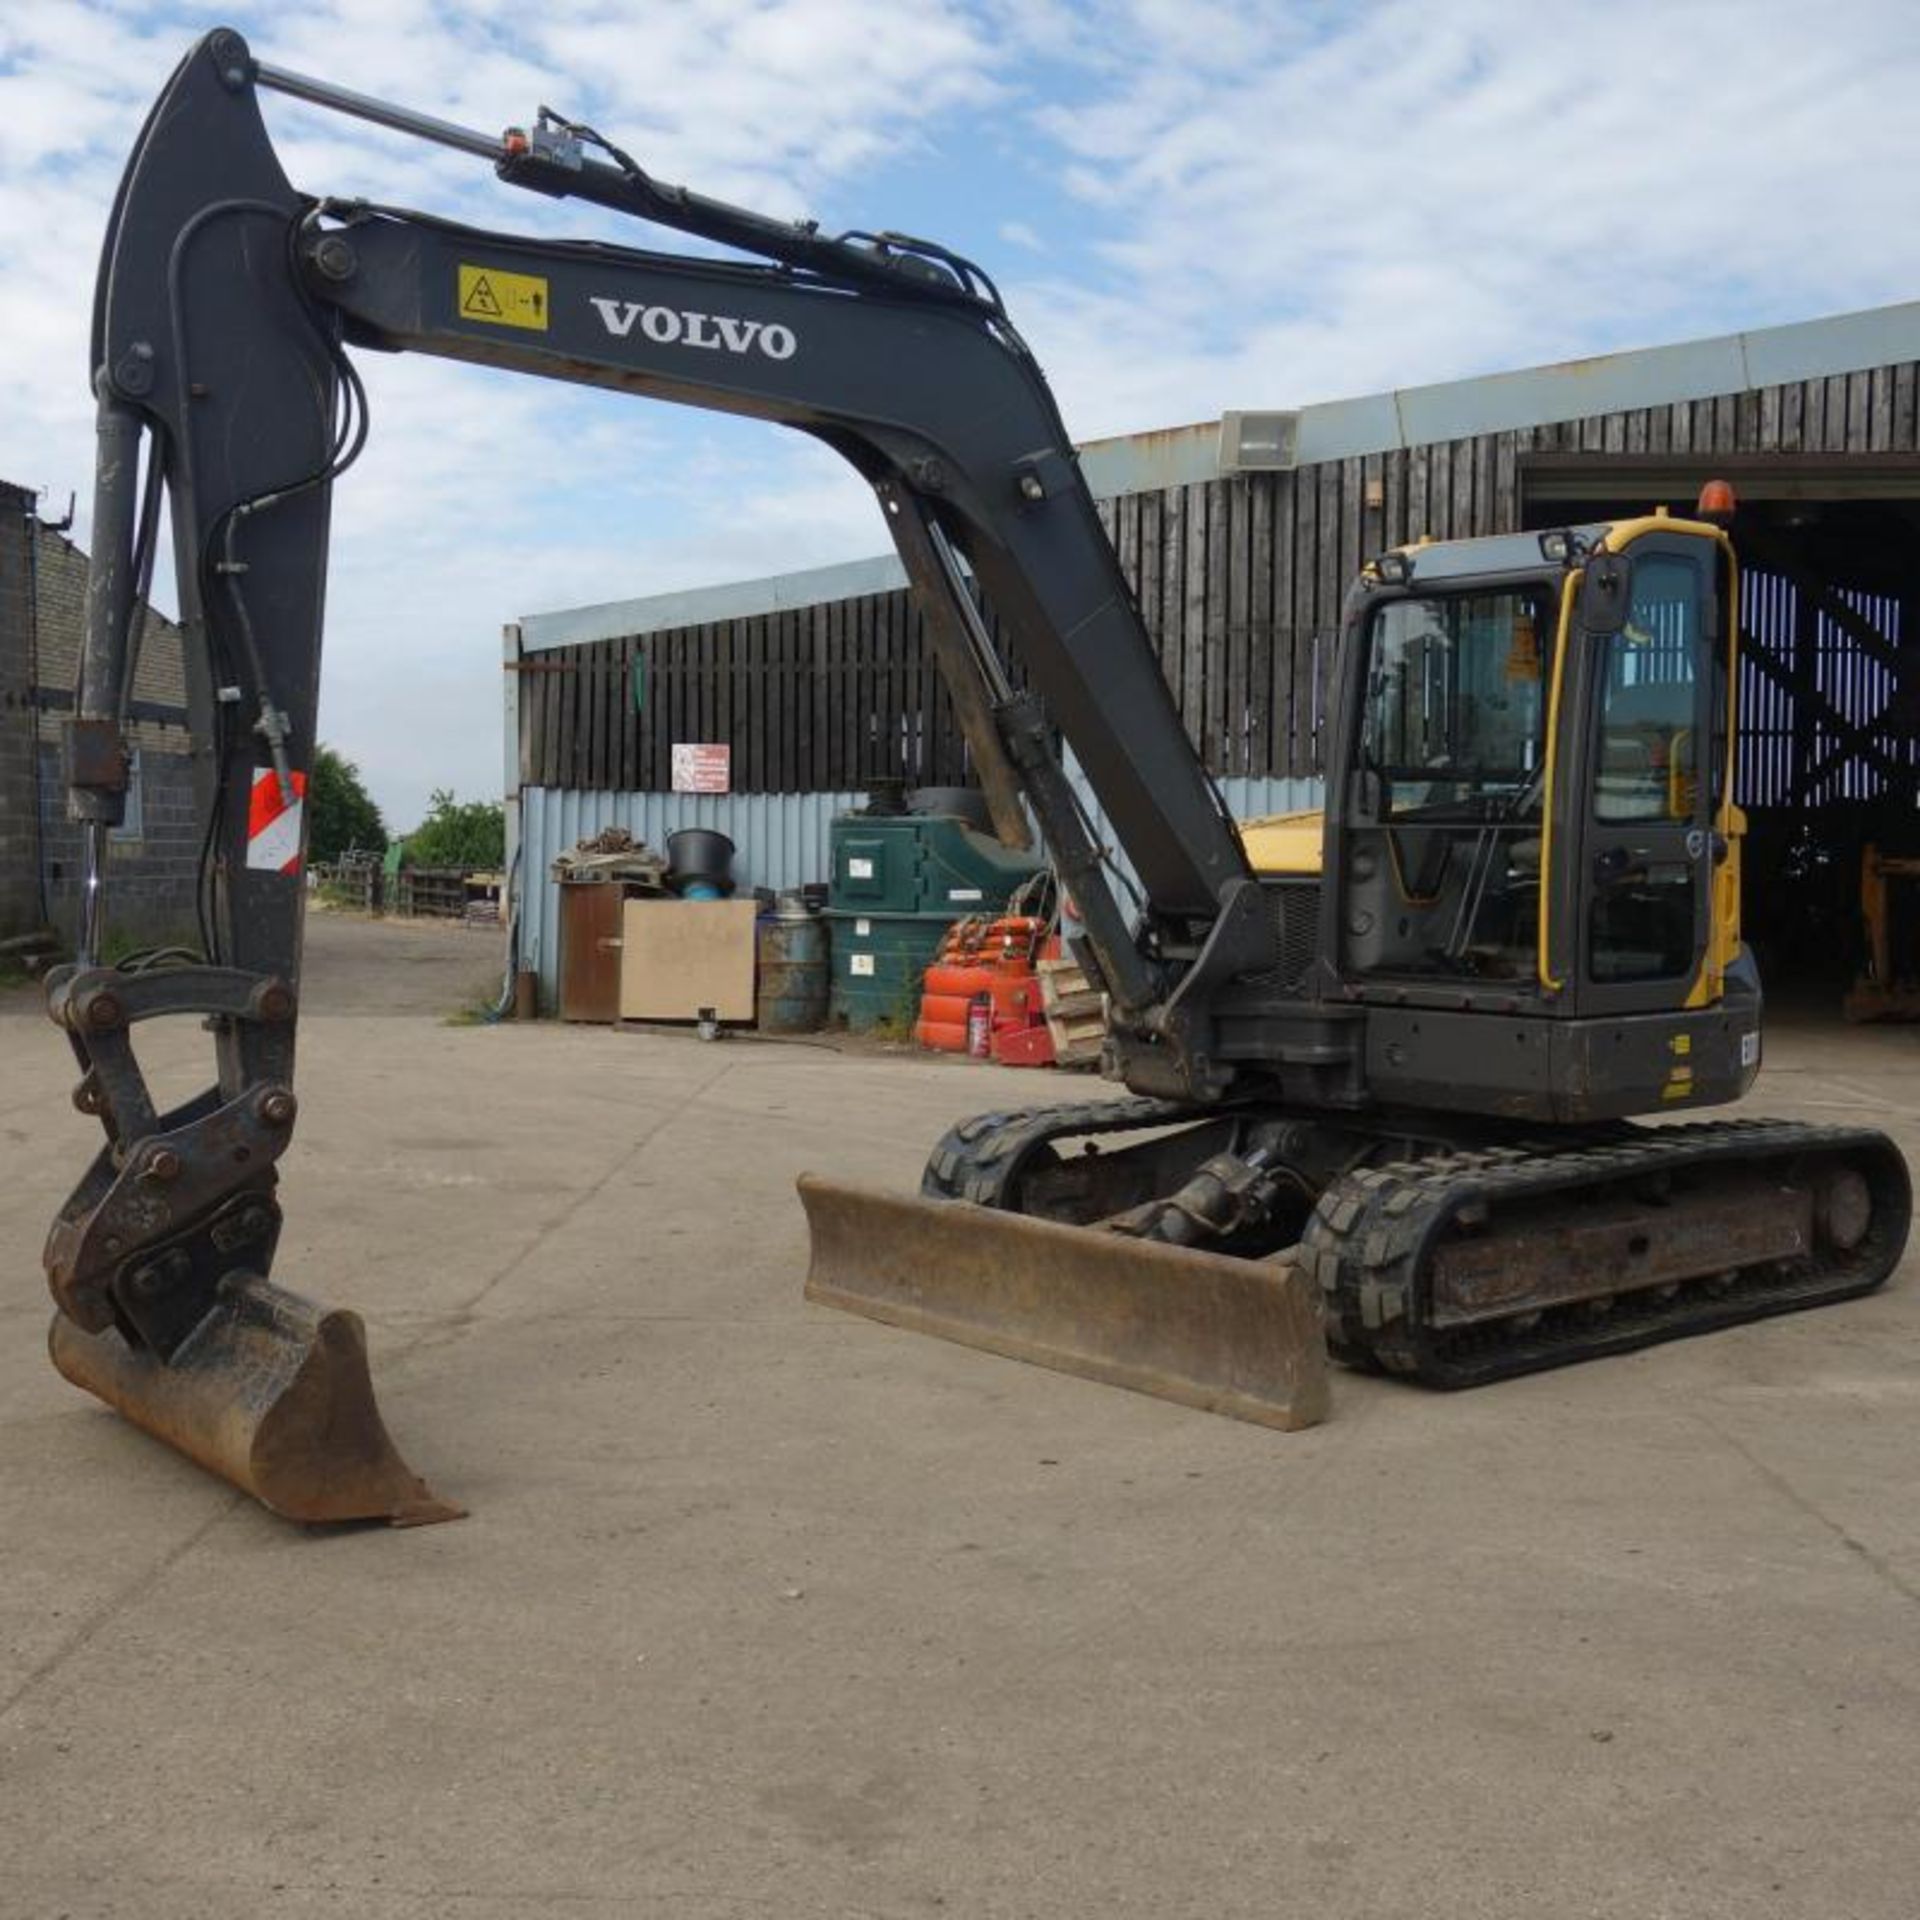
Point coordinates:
[[1307, 202]]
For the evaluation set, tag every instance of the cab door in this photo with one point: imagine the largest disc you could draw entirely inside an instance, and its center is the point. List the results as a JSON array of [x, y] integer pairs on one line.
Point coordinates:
[[1645, 861]]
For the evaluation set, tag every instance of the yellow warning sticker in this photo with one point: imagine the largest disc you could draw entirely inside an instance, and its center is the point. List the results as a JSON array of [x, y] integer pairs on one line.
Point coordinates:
[[505, 299]]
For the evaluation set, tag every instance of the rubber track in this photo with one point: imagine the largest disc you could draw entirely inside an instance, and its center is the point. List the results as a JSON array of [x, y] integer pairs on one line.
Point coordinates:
[[1372, 1229], [982, 1159]]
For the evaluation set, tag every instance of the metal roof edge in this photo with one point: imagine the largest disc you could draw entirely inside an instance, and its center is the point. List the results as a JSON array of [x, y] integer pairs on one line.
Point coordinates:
[[1609, 383], [699, 606], [1147, 462], [1528, 396]]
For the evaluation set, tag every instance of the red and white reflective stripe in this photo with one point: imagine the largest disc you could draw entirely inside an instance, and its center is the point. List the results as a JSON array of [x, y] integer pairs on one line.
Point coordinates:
[[273, 827]]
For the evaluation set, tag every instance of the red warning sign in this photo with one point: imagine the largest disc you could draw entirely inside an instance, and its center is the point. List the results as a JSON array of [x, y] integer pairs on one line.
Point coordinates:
[[274, 827], [701, 767]]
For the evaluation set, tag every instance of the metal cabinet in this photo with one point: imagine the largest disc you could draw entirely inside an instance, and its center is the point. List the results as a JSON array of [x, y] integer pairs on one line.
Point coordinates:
[[590, 949]]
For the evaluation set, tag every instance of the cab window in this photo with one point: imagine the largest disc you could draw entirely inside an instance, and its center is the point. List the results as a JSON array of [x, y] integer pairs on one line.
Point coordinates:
[[1648, 762], [1455, 713]]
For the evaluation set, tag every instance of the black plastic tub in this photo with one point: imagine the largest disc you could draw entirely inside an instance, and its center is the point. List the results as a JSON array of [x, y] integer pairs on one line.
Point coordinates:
[[699, 854]]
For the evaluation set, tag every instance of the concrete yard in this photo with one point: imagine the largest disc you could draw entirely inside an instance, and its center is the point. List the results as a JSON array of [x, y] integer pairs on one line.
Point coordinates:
[[766, 1610]]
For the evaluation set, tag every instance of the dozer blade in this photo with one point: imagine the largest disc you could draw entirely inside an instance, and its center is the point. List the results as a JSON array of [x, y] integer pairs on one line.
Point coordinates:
[[1230, 1336], [271, 1393]]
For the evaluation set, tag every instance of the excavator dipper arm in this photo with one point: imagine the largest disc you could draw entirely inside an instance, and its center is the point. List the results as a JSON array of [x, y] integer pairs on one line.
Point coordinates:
[[228, 302]]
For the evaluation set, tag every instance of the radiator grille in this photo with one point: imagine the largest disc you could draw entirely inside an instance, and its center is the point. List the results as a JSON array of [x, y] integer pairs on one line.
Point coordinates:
[[1296, 929]]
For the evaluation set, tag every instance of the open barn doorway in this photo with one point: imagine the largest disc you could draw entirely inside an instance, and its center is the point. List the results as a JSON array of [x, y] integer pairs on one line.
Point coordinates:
[[1829, 700]]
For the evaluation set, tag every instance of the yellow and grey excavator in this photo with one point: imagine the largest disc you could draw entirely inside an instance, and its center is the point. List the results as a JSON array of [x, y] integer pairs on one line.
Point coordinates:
[[1383, 1063]]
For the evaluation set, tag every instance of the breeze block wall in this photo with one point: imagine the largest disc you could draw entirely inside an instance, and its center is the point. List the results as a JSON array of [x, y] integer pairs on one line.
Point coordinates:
[[153, 860], [151, 873]]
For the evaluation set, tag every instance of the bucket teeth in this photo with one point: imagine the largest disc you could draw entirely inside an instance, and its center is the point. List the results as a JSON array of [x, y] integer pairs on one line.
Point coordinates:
[[1239, 1337], [270, 1392]]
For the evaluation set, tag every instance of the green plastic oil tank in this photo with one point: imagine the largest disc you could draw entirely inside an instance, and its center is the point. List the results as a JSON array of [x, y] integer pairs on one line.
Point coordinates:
[[878, 960], [899, 881]]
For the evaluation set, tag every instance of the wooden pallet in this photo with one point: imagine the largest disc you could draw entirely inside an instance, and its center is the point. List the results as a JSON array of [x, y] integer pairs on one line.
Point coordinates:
[[1076, 1013]]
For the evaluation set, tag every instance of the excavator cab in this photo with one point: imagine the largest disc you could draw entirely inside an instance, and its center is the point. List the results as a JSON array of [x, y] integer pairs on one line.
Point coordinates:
[[1530, 815]]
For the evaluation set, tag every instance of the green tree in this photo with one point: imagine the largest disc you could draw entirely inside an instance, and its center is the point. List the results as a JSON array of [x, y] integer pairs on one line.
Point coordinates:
[[459, 833], [343, 815]]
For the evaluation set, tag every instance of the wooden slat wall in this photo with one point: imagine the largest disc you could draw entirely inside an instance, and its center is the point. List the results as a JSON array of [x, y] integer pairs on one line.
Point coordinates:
[[1240, 583]]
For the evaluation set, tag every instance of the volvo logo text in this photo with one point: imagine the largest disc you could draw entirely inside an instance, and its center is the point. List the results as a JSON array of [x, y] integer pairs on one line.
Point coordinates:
[[668, 326]]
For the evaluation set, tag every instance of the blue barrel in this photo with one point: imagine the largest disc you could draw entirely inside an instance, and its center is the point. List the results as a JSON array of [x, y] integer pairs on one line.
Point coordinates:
[[791, 992]]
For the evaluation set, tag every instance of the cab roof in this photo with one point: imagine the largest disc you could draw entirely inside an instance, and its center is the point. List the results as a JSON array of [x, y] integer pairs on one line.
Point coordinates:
[[1443, 560]]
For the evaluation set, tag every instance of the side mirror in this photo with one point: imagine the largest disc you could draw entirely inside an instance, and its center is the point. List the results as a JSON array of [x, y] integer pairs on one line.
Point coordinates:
[[1604, 594]]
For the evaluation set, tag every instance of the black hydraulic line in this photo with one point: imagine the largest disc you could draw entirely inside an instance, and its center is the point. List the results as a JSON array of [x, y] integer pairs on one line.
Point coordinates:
[[349, 439], [228, 566], [1078, 857], [961, 652]]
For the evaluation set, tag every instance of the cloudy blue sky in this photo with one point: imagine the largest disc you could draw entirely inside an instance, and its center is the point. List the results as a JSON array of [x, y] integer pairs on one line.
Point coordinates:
[[1190, 204]]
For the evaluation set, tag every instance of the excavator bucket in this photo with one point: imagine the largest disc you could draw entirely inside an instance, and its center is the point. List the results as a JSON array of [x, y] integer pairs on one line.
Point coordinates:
[[1239, 1337], [271, 1393]]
